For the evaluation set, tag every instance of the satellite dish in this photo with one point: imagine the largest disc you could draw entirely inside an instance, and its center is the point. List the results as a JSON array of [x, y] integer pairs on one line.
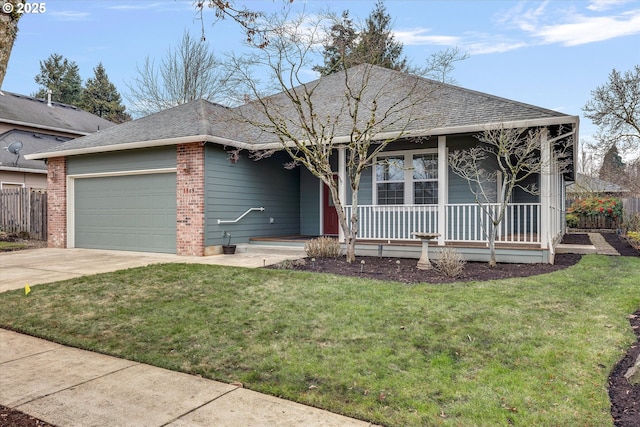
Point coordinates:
[[14, 148]]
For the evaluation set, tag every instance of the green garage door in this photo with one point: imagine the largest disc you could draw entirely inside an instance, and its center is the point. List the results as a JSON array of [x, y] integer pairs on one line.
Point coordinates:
[[134, 213]]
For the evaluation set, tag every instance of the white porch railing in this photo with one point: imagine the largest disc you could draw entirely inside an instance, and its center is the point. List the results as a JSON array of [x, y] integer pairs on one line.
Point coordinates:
[[464, 222]]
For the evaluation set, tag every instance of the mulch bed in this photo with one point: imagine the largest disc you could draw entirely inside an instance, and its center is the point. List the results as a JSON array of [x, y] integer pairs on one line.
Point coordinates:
[[625, 399]]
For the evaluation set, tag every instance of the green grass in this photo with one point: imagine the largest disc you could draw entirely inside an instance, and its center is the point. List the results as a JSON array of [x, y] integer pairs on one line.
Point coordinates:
[[11, 246], [525, 351]]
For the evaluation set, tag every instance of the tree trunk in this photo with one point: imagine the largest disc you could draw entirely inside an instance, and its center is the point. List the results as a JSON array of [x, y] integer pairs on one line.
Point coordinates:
[[8, 33]]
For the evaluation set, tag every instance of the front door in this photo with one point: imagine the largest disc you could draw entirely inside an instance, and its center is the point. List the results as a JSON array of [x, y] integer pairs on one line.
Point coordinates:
[[330, 220]]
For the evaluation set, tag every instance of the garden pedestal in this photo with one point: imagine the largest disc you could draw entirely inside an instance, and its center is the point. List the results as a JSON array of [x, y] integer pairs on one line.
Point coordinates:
[[423, 262]]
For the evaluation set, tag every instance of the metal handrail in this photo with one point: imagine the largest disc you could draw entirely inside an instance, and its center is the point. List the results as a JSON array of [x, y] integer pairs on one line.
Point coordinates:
[[233, 221]]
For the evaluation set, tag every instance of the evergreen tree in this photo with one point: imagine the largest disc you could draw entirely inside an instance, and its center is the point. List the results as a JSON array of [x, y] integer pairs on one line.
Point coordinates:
[[613, 168], [100, 97], [342, 40], [62, 77], [374, 44]]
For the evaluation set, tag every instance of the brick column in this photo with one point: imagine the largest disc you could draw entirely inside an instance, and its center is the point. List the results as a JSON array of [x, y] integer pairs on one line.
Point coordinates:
[[57, 202], [190, 199]]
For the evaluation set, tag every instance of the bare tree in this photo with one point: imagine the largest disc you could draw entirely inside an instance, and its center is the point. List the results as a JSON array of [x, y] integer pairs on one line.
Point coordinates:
[[615, 109], [359, 110], [189, 72], [505, 159], [248, 19], [440, 65]]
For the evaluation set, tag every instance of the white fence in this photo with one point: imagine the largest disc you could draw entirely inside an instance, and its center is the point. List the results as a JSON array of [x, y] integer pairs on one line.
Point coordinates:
[[465, 222]]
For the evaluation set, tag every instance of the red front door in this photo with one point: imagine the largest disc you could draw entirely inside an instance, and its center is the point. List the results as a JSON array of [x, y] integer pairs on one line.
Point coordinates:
[[330, 220]]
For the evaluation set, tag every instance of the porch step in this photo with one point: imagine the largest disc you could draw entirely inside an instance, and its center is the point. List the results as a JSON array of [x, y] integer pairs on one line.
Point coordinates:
[[294, 251], [575, 249]]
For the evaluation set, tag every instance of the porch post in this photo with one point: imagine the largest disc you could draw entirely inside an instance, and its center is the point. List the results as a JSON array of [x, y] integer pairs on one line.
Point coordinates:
[[342, 185], [545, 189], [443, 188]]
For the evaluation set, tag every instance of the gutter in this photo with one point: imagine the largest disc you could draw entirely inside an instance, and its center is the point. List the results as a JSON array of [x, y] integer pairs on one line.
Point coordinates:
[[37, 126], [275, 145]]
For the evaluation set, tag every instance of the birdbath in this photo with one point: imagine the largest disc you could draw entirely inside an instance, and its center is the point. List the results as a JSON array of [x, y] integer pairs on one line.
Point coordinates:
[[423, 262]]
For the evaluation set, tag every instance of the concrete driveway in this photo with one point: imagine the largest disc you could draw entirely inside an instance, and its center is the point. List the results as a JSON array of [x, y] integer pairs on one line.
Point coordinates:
[[36, 266]]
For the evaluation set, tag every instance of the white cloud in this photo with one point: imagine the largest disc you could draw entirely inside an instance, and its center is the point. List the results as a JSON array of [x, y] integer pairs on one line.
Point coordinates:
[[602, 5], [69, 15], [584, 29], [419, 36]]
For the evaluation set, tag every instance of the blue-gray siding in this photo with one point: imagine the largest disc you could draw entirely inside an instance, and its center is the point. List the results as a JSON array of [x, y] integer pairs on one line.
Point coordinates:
[[232, 188]]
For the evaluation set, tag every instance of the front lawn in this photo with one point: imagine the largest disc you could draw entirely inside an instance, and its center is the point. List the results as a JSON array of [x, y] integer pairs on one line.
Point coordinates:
[[525, 351]]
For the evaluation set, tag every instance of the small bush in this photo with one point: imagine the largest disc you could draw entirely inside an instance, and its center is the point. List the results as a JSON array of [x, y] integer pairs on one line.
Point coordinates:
[[289, 264], [323, 247], [449, 262], [572, 220], [631, 222]]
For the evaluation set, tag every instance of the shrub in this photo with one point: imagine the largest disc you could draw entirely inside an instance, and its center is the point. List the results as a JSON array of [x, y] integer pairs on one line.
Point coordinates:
[[610, 207], [323, 247], [449, 262], [572, 220], [289, 264], [631, 222]]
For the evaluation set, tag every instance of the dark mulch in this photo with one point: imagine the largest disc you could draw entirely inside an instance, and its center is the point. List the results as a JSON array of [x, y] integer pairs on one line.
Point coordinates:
[[625, 399], [14, 418]]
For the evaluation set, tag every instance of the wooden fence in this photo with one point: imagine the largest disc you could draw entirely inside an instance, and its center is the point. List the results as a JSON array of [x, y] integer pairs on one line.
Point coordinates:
[[631, 206], [24, 210]]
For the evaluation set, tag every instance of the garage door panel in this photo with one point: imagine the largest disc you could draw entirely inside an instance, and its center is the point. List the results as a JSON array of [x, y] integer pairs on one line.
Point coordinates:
[[136, 212]]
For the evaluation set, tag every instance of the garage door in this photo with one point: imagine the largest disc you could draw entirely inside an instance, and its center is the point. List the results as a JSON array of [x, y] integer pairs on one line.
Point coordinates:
[[135, 212]]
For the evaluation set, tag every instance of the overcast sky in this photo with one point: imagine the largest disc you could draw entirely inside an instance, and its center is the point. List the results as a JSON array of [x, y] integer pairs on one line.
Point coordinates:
[[547, 53]]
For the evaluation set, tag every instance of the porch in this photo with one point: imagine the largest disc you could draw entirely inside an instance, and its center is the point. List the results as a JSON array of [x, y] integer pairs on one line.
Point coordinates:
[[388, 231]]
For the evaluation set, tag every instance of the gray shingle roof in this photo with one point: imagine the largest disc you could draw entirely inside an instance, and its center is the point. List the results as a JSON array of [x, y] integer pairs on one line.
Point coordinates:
[[417, 104], [32, 142], [15, 108]]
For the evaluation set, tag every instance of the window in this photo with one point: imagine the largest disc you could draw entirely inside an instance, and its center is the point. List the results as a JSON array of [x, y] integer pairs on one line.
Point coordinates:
[[425, 179], [407, 178], [390, 180]]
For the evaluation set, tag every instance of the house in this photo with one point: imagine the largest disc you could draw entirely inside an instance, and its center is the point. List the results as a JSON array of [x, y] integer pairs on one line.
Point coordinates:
[[591, 186], [177, 181], [29, 125]]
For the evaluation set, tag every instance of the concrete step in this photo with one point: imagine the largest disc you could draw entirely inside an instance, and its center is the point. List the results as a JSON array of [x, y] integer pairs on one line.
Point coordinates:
[[296, 251], [575, 249]]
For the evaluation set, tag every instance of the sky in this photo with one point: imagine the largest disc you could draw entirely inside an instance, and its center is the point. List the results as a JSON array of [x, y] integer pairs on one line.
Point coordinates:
[[552, 54]]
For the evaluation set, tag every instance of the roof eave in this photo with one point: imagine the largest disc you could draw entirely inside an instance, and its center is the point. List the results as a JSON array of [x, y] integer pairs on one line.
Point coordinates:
[[146, 144], [50, 128]]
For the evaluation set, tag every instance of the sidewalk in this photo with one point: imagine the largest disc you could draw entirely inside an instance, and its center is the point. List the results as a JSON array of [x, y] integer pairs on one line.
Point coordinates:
[[71, 387]]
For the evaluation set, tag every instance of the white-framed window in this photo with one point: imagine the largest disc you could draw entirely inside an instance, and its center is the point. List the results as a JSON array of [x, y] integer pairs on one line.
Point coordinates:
[[406, 178], [6, 185]]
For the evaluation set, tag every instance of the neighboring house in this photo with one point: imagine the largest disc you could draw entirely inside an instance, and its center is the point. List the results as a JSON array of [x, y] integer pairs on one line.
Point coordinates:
[[590, 186], [29, 125], [172, 182]]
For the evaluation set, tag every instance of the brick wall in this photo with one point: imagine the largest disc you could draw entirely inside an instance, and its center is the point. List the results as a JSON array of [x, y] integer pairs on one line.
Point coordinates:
[[57, 202], [190, 199]]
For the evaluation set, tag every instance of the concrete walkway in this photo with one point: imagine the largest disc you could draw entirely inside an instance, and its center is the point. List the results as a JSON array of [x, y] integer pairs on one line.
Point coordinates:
[[46, 265], [70, 387], [598, 246], [601, 245]]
